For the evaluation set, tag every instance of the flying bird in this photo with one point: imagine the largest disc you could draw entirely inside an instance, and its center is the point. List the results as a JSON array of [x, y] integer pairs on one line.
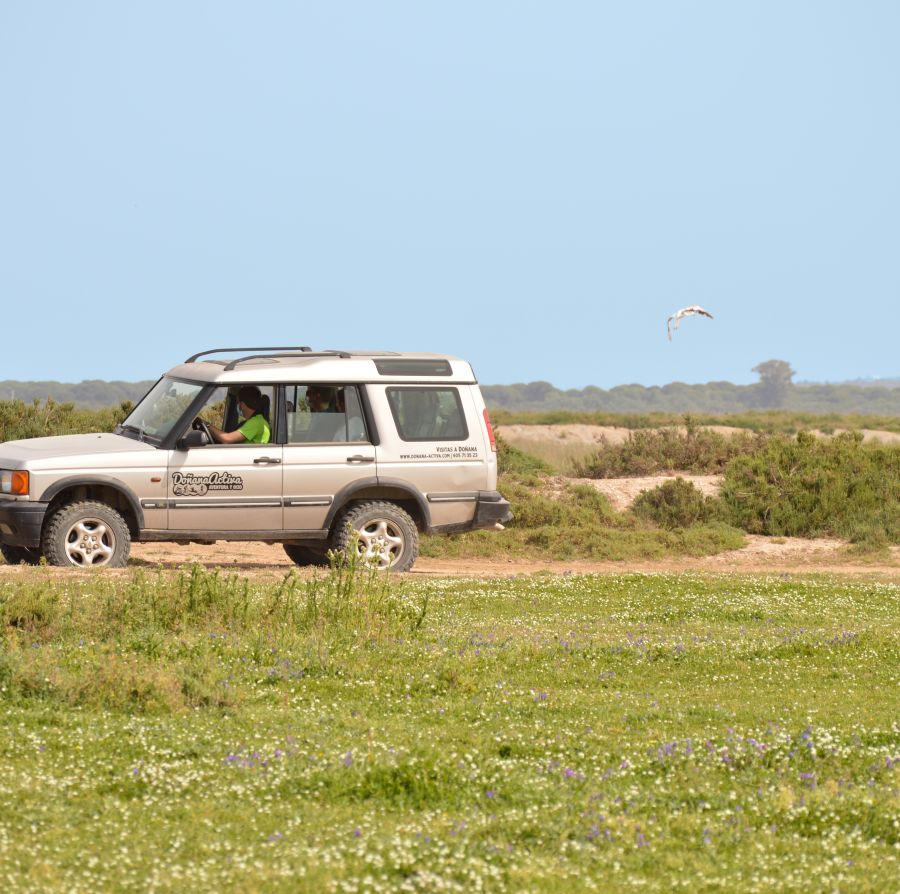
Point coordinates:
[[684, 312]]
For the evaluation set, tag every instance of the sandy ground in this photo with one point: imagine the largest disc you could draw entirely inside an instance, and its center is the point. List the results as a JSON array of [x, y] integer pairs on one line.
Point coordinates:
[[522, 435], [762, 555]]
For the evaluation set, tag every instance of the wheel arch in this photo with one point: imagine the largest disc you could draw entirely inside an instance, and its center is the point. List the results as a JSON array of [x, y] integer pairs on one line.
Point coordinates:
[[390, 489], [114, 493]]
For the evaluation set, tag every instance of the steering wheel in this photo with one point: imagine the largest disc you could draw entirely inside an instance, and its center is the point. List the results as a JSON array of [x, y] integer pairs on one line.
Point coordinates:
[[202, 425]]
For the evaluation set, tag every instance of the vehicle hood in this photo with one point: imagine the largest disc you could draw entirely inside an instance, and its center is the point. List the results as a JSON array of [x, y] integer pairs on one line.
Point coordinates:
[[54, 451]]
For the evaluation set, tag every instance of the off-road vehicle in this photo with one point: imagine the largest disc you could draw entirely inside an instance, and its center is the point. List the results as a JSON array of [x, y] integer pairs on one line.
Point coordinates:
[[365, 449]]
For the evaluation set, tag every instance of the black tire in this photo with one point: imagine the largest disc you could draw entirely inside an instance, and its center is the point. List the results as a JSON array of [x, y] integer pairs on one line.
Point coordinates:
[[383, 535], [16, 555], [303, 555], [86, 535]]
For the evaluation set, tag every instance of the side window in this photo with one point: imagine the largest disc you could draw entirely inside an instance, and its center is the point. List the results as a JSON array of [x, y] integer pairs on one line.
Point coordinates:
[[428, 414], [322, 413], [223, 411]]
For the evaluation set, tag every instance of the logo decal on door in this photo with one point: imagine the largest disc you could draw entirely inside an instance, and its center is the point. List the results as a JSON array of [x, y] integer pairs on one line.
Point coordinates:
[[186, 484]]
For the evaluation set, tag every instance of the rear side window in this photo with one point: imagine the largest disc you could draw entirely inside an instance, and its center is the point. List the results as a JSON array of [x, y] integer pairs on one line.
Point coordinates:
[[320, 413], [428, 414]]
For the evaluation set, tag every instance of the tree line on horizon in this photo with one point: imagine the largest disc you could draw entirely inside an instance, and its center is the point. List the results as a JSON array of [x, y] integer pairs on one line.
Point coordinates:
[[774, 390]]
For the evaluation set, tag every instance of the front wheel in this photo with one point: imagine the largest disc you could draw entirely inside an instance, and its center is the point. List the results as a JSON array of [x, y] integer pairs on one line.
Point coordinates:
[[16, 555], [86, 535], [381, 534]]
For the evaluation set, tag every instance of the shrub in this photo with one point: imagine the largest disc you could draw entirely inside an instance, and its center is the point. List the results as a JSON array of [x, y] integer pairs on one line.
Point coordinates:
[[554, 521], [674, 504], [36, 420], [512, 461], [649, 452], [807, 487]]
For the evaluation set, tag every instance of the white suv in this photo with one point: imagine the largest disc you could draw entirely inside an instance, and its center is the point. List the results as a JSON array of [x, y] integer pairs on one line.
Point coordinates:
[[360, 450]]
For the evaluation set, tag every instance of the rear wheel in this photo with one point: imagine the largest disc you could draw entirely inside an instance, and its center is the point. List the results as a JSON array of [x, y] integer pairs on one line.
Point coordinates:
[[303, 555], [381, 534], [16, 555], [86, 535]]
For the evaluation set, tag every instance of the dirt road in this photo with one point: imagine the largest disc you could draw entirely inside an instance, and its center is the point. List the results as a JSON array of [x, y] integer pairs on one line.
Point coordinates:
[[762, 555], [788, 555]]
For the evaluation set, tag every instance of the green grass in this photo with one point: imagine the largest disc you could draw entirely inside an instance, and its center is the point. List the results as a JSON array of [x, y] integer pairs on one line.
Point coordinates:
[[201, 733]]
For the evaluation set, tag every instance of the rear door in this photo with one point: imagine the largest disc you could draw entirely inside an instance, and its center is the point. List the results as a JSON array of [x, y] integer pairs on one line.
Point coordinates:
[[435, 444], [327, 449]]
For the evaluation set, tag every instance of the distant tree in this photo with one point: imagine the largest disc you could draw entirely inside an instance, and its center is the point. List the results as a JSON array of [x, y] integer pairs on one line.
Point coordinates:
[[538, 392], [774, 382]]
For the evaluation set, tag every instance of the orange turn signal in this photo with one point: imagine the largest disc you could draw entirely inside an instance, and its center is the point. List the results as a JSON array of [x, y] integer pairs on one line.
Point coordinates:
[[20, 483]]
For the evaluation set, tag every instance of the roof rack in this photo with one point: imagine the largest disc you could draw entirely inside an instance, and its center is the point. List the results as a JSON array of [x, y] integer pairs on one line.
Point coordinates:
[[304, 348], [304, 353]]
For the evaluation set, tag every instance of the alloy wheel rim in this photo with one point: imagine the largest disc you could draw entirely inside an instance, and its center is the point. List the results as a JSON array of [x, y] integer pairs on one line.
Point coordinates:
[[90, 542], [380, 543]]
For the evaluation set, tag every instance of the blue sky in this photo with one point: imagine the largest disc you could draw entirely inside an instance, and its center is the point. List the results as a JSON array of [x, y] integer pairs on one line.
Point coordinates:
[[531, 186]]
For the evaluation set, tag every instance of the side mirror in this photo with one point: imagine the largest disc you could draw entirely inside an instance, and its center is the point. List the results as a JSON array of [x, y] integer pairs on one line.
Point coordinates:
[[192, 439]]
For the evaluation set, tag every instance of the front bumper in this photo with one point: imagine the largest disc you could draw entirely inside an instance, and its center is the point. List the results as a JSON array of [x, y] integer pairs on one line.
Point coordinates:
[[21, 522]]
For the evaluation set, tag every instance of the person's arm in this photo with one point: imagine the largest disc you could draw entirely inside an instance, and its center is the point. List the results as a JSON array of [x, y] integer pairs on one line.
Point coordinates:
[[226, 437]]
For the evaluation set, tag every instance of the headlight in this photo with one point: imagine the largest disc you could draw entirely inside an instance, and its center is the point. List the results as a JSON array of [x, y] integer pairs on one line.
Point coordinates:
[[15, 482]]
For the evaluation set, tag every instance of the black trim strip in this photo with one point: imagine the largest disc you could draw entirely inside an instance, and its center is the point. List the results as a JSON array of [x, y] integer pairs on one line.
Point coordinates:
[[252, 502], [453, 498], [224, 504], [275, 536]]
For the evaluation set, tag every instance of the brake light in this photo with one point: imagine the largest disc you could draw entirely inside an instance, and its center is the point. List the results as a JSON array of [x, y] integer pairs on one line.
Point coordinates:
[[490, 431]]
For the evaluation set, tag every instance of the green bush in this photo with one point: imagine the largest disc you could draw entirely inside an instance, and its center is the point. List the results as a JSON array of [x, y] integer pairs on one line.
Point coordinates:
[[674, 504], [19, 420], [652, 451], [808, 487], [559, 521], [512, 461]]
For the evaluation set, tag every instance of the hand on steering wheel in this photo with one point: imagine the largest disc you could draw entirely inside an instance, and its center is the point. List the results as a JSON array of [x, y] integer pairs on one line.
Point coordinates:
[[202, 425]]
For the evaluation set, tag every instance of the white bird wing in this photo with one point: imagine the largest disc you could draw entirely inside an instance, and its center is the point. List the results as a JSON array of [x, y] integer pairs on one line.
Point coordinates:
[[684, 312]]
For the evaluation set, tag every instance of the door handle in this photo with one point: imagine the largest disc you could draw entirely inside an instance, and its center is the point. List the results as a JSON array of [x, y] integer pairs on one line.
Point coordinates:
[[267, 459], [359, 458]]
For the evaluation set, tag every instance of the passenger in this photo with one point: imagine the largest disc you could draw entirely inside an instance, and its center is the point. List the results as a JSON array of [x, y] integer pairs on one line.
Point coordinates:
[[252, 404], [320, 399], [324, 420]]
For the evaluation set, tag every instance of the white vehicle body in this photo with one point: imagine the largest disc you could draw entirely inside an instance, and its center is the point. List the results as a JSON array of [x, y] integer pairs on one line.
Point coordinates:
[[405, 433]]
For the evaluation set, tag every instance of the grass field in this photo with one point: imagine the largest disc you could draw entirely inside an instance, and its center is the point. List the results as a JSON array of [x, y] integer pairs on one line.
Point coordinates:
[[199, 733]]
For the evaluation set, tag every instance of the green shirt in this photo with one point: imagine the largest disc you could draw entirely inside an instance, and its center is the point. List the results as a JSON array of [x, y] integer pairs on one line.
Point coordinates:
[[256, 430]]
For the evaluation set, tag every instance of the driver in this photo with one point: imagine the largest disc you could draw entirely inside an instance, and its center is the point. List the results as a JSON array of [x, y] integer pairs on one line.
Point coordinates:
[[255, 429]]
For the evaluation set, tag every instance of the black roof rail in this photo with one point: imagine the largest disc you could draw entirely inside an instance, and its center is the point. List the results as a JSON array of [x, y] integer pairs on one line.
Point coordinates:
[[192, 359], [305, 354]]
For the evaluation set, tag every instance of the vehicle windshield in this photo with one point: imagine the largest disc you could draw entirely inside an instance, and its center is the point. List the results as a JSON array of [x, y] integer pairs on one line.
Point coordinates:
[[156, 415]]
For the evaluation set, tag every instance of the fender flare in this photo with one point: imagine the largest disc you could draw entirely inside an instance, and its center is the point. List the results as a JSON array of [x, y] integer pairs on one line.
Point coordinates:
[[59, 486], [345, 495]]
